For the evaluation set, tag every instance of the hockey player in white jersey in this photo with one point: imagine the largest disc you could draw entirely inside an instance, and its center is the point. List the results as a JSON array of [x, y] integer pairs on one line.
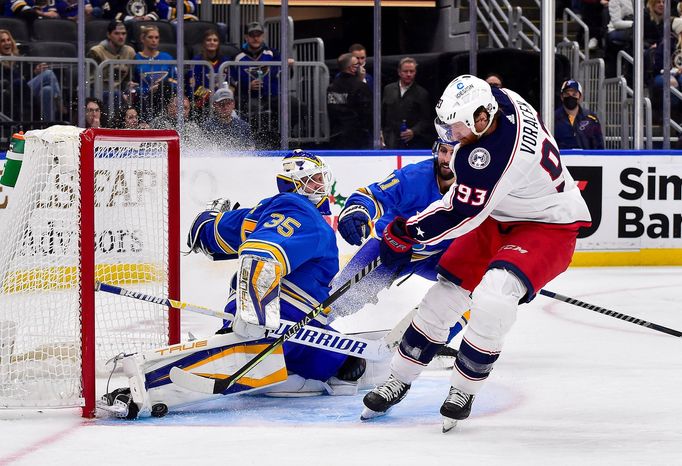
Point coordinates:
[[515, 211]]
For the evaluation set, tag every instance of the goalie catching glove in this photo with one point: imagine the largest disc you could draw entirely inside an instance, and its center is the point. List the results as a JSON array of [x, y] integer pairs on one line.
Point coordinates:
[[197, 238], [258, 286], [354, 224]]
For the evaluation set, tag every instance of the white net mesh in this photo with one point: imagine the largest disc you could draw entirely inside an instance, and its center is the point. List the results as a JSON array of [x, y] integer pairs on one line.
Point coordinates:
[[40, 318]]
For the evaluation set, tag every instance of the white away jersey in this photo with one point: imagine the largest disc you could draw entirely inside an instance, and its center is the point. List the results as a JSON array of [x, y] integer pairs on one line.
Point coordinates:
[[514, 175]]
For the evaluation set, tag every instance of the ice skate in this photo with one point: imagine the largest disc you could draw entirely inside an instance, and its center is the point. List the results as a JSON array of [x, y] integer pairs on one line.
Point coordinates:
[[383, 397], [457, 406], [119, 403]]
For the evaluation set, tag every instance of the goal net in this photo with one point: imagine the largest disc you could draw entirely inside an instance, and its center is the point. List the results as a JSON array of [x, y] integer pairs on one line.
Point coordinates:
[[93, 205]]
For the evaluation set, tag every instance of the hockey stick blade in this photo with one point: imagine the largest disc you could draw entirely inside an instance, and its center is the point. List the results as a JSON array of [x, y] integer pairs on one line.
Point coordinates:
[[194, 382], [610, 313]]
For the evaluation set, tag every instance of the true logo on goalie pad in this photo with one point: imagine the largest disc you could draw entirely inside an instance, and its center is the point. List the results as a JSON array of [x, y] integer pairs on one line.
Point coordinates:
[[190, 345]]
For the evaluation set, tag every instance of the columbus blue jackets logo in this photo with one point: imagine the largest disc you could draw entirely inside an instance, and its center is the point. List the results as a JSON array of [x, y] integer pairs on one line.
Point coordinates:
[[479, 158]]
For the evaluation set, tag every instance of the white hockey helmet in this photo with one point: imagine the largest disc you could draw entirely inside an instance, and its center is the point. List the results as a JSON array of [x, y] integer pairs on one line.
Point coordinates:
[[298, 169], [461, 99]]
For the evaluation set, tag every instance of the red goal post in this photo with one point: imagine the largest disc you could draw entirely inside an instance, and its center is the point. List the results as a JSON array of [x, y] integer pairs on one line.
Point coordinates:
[[95, 204]]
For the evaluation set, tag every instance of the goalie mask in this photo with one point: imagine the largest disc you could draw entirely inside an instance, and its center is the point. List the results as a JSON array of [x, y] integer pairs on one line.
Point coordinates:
[[460, 102], [306, 174]]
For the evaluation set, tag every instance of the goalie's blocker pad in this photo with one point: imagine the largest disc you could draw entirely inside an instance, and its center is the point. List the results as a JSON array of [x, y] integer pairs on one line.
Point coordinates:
[[218, 356]]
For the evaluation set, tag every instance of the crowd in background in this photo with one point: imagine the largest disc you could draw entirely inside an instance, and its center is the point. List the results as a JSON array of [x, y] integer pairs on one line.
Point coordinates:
[[145, 92]]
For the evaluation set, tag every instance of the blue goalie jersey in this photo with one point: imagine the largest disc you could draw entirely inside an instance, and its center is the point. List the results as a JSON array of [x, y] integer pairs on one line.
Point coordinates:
[[288, 228]]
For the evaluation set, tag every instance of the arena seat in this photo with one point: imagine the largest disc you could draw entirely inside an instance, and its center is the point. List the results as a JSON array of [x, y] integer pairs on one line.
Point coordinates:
[[96, 30], [17, 27], [52, 49], [194, 31], [61, 30]]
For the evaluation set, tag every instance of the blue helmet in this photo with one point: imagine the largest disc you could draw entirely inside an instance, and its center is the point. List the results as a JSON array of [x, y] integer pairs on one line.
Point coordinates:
[[298, 169]]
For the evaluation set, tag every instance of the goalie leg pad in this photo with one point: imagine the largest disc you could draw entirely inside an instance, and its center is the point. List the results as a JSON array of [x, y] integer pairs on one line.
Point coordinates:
[[258, 287], [217, 356]]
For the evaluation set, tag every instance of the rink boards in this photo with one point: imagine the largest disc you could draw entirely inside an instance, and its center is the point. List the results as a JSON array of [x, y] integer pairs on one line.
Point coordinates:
[[634, 197]]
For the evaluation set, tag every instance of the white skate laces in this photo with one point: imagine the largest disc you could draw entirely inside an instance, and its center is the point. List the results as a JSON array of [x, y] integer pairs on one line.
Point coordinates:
[[457, 397], [457, 406], [392, 389], [382, 398]]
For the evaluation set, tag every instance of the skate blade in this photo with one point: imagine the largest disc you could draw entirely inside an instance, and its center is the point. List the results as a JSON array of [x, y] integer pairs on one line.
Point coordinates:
[[448, 424], [368, 414]]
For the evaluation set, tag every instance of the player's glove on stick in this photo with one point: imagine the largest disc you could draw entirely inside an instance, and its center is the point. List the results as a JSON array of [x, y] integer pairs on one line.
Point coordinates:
[[395, 249], [354, 224]]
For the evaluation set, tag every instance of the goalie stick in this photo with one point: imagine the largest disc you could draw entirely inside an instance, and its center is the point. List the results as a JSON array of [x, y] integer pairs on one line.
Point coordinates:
[[610, 313], [213, 386], [330, 340]]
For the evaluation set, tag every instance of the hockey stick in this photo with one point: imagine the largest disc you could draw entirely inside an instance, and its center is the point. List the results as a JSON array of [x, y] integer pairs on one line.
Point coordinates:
[[330, 340], [211, 386], [610, 313]]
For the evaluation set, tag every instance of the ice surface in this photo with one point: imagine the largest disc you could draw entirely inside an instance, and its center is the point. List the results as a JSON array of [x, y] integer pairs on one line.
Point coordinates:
[[571, 387]]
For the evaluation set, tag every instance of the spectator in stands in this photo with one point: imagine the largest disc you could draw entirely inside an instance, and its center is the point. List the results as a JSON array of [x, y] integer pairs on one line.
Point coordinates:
[[128, 11], [495, 80], [224, 127], [94, 113], [256, 81], [257, 86], [68, 9], [114, 48], [154, 81], [129, 118], [191, 134], [40, 81], [167, 10], [676, 67], [359, 52], [200, 85], [619, 36], [349, 104], [30, 10], [575, 127], [406, 111], [653, 22]]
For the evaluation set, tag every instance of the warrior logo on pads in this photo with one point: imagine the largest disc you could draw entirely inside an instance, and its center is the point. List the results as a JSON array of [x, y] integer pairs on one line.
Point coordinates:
[[479, 158]]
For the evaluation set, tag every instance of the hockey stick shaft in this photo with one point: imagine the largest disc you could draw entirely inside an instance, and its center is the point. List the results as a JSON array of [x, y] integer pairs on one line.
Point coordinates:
[[329, 340], [610, 313], [113, 289], [198, 383]]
